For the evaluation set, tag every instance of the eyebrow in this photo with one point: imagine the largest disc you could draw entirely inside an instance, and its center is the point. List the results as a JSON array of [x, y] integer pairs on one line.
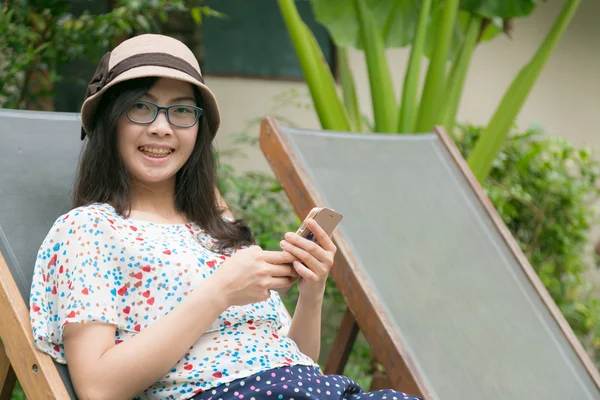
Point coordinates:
[[182, 98]]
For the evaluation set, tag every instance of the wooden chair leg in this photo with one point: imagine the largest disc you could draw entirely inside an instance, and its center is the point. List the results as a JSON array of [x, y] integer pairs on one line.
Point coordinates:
[[342, 346], [8, 379]]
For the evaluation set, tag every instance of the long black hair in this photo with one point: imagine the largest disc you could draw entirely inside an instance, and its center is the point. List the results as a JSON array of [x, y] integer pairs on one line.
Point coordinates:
[[103, 178]]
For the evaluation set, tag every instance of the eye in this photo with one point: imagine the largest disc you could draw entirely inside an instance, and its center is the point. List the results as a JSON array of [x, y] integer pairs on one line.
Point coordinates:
[[183, 110], [140, 106]]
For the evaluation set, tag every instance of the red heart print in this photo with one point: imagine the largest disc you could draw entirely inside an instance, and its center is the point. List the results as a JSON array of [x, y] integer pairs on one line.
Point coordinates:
[[146, 294], [150, 301], [227, 323], [275, 336], [250, 321], [218, 375], [210, 263], [147, 268], [122, 291], [137, 328], [167, 252], [188, 367], [52, 262], [71, 314], [53, 289], [127, 309], [133, 228], [85, 291], [139, 238], [138, 275], [252, 328], [110, 221], [60, 270], [56, 348], [35, 307]]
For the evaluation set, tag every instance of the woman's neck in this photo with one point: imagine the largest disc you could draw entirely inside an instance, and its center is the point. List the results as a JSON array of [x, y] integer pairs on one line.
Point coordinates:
[[155, 203]]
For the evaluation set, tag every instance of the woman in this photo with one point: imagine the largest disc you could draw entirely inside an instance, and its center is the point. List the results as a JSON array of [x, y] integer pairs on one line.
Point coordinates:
[[148, 287]]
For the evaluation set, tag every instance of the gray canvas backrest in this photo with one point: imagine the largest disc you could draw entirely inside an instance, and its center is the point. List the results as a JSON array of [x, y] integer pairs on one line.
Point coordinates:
[[38, 159], [470, 319]]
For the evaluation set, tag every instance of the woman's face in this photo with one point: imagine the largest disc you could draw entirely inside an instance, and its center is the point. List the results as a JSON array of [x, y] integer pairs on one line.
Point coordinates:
[[154, 152]]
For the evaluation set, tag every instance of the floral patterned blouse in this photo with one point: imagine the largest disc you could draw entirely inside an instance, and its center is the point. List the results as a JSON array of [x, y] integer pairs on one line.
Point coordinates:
[[95, 265]]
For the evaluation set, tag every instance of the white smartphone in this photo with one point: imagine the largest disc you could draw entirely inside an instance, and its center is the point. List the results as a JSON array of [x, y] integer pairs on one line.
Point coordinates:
[[327, 219]]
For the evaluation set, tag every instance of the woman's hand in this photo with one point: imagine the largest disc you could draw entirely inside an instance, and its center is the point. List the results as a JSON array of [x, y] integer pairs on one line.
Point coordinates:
[[313, 260], [249, 275]]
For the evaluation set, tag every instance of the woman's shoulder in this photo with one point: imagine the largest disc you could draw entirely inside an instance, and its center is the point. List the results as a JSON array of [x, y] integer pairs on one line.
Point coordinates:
[[90, 216]]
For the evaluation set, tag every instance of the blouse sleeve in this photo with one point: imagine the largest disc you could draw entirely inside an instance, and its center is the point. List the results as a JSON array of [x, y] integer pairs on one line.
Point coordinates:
[[76, 276]]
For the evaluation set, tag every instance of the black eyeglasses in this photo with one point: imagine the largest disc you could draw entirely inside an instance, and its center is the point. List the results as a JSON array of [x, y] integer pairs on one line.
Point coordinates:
[[179, 115]]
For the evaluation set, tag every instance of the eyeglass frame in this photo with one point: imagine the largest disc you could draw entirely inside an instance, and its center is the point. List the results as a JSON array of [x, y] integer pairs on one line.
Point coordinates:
[[200, 112]]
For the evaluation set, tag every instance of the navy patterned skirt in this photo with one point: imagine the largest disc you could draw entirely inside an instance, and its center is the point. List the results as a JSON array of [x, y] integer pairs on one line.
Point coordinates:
[[294, 383]]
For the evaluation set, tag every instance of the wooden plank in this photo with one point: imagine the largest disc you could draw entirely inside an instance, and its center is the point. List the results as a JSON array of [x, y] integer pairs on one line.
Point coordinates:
[[380, 381], [342, 345], [519, 255], [352, 283], [35, 370], [7, 376]]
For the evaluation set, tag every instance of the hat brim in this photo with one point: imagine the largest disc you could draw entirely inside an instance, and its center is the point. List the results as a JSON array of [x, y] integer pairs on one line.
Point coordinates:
[[209, 101]]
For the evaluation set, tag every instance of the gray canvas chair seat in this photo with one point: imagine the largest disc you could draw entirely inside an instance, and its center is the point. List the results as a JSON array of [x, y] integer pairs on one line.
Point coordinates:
[[436, 282], [38, 158]]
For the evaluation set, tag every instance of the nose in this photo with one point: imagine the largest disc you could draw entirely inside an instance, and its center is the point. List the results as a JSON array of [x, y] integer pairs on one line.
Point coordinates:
[[160, 126]]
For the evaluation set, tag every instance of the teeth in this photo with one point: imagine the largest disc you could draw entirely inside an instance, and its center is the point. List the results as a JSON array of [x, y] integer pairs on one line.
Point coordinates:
[[155, 152]]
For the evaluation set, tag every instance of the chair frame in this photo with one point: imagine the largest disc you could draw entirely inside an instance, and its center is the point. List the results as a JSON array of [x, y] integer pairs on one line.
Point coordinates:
[[364, 310]]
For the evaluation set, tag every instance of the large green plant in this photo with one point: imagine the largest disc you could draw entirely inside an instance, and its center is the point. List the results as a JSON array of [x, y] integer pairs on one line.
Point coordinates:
[[446, 31], [37, 36]]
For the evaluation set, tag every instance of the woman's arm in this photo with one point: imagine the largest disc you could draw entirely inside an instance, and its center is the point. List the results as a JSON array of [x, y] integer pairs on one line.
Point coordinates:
[[312, 264], [306, 326], [100, 369]]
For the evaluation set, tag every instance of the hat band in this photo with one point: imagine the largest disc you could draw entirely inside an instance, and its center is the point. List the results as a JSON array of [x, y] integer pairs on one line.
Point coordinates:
[[153, 60]]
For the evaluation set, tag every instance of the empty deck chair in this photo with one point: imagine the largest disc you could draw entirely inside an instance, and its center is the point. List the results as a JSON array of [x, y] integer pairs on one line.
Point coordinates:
[[431, 275]]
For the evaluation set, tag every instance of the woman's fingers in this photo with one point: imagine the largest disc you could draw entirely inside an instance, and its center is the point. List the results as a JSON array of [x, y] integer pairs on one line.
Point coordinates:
[[277, 257], [305, 272], [307, 245], [280, 282], [280, 270], [306, 256], [322, 237]]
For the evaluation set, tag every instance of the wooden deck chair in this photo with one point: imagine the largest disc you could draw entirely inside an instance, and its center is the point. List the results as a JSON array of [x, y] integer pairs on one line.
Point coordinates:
[[430, 274], [38, 159]]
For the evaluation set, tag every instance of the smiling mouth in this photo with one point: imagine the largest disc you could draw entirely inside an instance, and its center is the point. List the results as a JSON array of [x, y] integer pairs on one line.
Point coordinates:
[[155, 152]]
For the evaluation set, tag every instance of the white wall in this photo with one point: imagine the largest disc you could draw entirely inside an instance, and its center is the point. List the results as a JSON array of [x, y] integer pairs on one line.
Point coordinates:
[[565, 100]]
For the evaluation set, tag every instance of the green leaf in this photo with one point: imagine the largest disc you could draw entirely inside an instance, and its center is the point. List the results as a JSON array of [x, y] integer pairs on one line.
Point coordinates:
[[317, 74], [143, 22], [430, 107], [499, 8], [395, 19], [458, 74], [409, 104], [349, 89], [380, 79], [196, 14], [489, 145]]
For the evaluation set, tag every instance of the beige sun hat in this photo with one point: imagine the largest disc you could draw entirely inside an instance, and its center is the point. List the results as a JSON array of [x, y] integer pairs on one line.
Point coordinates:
[[142, 56]]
